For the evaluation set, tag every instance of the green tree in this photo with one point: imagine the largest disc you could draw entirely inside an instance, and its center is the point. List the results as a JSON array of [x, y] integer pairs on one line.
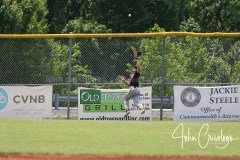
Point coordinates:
[[106, 58], [167, 14], [25, 61], [230, 16], [26, 16], [190, 26], [236, 73], [175, 61], [63, 11], [211, 16], [80, 73], [185, 58], [82, 26], [114, 14], [232, 57], [217, 71], [189, 60], [219, 15], [144, 14]]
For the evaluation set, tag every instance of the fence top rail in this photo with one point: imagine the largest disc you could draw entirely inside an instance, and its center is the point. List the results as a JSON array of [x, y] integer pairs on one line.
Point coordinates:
[[118, 35]]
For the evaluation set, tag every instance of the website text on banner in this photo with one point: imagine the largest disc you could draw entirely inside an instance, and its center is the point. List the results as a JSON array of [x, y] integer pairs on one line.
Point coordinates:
[[108, 104], [26, 102], [220, 103]]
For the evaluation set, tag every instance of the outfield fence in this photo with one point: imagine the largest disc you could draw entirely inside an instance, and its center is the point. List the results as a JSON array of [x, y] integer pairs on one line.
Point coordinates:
[[69, 61]]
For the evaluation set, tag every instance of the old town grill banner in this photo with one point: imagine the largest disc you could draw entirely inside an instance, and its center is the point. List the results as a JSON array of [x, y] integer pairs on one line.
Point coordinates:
[[220, 103], [108, 104]]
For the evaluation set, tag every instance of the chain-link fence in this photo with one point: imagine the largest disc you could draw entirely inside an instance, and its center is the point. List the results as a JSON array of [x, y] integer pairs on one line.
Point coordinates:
[[96, 61]]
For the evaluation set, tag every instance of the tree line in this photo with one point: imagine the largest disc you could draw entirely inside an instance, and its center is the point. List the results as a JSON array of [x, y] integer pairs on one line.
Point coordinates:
[[37, 16], [194, 60]]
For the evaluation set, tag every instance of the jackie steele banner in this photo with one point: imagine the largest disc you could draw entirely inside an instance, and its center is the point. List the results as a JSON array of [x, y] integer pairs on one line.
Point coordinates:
[[26, 102], [220, 103], [108, 104]]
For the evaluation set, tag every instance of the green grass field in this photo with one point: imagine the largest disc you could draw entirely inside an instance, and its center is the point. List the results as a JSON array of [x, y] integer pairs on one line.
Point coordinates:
[[112, 138]]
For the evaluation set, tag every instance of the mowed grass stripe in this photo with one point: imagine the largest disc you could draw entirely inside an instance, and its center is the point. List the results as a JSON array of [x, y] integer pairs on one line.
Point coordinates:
[[111, 138]]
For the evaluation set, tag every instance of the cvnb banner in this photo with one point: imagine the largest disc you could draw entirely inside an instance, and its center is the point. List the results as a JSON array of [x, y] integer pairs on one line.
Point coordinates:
[[26, 102], [108, 104], [207, 103]]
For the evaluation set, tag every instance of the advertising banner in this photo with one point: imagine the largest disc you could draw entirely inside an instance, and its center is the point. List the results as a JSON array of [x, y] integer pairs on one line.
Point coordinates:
[[220, 103], [26, 102], [108, 104]]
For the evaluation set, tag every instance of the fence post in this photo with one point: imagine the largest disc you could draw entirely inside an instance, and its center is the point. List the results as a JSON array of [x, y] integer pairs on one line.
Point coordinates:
[[162, 77], [69, 75]]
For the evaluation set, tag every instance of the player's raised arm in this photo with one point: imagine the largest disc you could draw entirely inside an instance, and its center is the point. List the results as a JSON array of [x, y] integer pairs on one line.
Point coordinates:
[[138, 61], [137, 57]]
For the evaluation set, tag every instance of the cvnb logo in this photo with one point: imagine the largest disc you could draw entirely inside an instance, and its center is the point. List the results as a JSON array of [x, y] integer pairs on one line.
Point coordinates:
[[3, 98], [90, 96], [29, 99]]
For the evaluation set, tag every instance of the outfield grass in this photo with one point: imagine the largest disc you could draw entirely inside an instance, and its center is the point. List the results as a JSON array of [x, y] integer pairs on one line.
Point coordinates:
[[111, 138]]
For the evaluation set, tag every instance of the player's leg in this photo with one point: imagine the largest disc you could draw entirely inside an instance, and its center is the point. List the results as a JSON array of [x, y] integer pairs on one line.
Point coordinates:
[[127, 97], [136, 101]]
